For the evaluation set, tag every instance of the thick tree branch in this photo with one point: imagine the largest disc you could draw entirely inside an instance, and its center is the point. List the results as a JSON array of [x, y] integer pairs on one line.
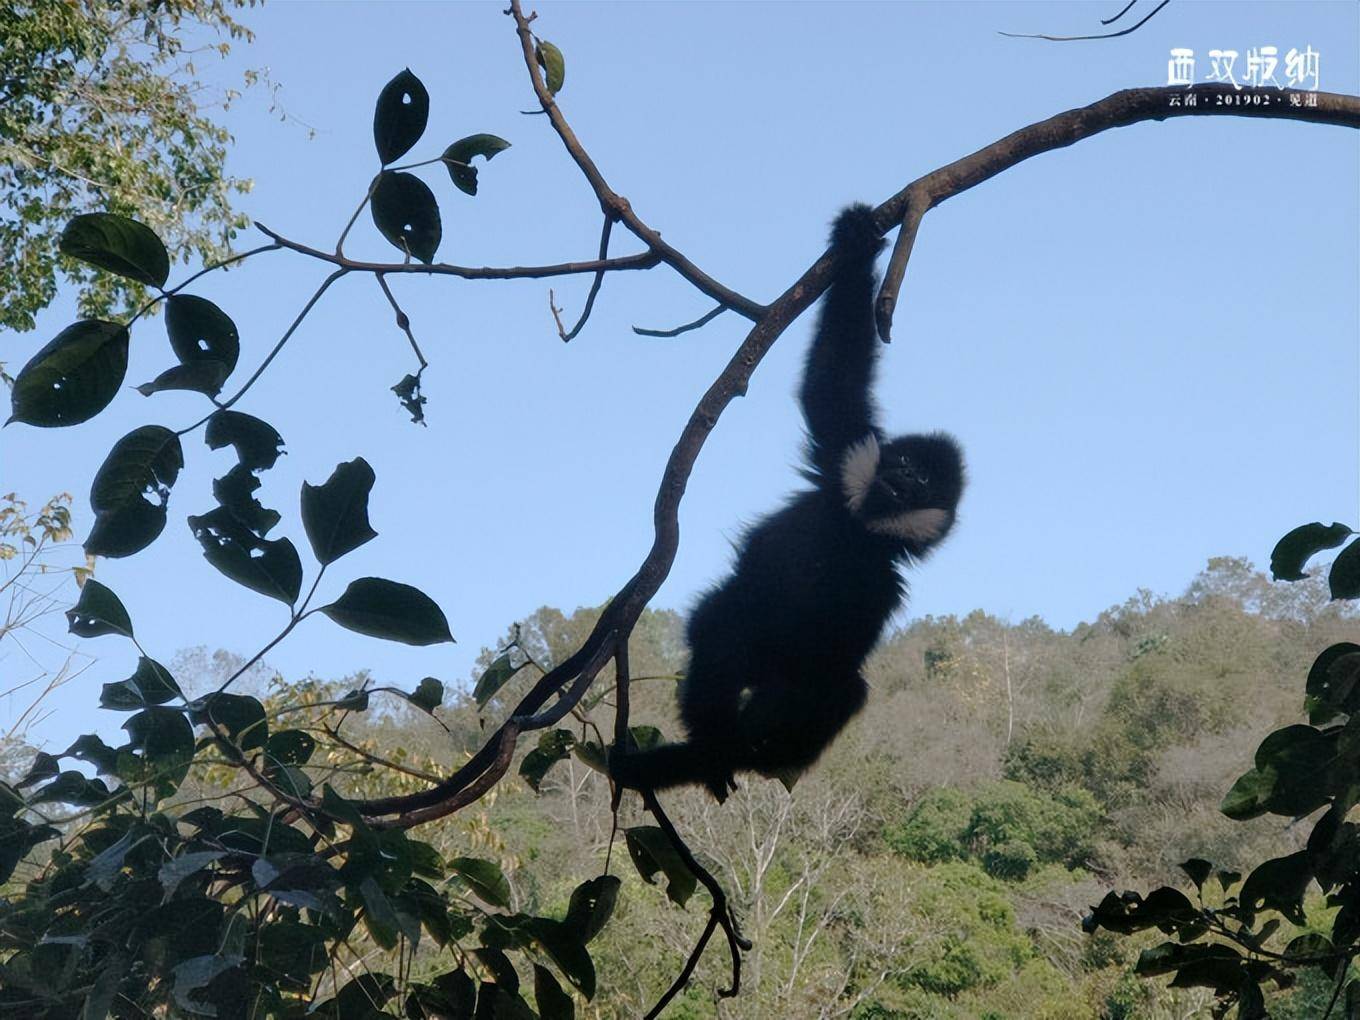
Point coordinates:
[[615, 204], [1131, 106], [623, 611]]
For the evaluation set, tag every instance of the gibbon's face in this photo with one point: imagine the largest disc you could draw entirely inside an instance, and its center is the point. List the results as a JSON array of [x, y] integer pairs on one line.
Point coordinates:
[[908, 488]]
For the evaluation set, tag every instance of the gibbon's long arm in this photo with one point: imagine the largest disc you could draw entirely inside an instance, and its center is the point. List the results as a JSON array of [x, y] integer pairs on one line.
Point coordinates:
[[840, 364]]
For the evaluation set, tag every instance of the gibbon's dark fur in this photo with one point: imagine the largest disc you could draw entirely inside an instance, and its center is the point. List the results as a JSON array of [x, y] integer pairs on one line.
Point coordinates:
[[776, 649]]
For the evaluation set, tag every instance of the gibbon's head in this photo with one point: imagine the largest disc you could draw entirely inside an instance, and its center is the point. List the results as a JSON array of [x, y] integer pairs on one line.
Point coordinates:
[[906, 488]]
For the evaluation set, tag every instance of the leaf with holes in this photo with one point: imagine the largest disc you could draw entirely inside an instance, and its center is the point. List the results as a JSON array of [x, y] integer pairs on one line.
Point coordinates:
[[118, 244], [554, 65], [257, 443], [1290, 554], [73, 377], [400, 115], [406, 213], [552, 748], [388, 609], [144, 463], [335, 514], [200, 331], [269, 567], [236, 492], [652, 852], [98, 611], [150, 684], [458, 159]]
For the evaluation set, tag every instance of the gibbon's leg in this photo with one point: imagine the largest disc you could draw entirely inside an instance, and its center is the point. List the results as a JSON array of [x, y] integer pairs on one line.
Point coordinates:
[[789, 726]]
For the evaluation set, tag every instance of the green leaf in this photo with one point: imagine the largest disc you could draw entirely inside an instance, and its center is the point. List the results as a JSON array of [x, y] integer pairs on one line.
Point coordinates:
[[105, 867], [1333, 684], [495, 677], [257, 443], [335, 514], [91, 748], [428, 696], [495, 961], [552, 748], [118, 244], [1344, 579], [150, 684], [400, 115], [71, 788], [290, 747], [159, 749], [406, 212], [144, 463], [196, 974], [1296, 548], [652, 853], [553, 1003], [201, 332], [177, 869], [354, 701], [1250, 795], [592, 755], [73, 377], [388, 609], [458, 158], [484, 878], [567, 952], [98, 1005], [592, 904], [235, 491], [1279, 884], [240, 716], [98, 611], [554, 65], [269, 567], [1198, 870], [196, 377]]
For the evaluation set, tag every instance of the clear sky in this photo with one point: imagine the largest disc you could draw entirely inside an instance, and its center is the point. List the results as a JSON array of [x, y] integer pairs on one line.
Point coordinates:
[[1147, 342]]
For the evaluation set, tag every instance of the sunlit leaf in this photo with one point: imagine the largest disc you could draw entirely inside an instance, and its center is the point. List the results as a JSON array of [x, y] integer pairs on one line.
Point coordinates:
[[553, 63]]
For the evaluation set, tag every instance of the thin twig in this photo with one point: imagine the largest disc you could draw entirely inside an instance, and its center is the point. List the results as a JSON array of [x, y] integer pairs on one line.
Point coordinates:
[[594, 284], [403, 320], [698, 323], [1081, 38]]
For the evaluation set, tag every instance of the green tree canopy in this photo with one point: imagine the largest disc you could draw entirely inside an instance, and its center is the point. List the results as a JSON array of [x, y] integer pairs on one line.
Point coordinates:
[[99, 109]]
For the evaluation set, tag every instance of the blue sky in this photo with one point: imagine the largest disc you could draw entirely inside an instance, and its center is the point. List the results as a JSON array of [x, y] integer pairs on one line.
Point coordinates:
[[1147, 342]]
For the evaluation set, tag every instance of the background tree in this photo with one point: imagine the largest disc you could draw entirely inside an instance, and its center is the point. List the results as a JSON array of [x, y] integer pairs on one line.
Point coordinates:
[[100, 109]]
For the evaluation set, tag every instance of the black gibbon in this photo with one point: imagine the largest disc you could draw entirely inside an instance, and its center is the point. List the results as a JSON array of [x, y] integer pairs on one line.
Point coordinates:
[[776, 648]]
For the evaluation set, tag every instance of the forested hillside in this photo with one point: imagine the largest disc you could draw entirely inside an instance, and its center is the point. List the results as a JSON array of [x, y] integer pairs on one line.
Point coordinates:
[[937, 863]]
